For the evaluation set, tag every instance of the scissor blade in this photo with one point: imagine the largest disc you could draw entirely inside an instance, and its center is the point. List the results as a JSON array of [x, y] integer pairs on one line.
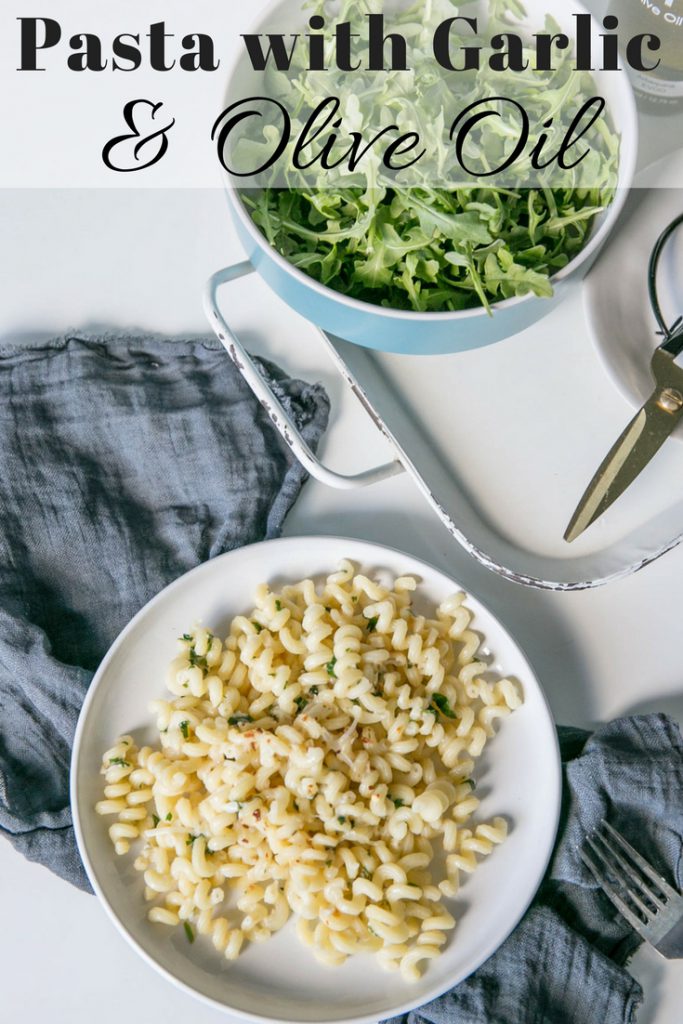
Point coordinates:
[[639, 443]]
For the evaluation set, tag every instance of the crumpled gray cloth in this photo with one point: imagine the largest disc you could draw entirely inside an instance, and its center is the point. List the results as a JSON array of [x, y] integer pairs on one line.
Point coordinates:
[[124, 462], [564, 963]]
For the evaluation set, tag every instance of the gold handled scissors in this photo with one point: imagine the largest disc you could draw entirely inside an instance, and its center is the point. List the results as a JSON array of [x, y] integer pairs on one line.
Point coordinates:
[[652, 424]]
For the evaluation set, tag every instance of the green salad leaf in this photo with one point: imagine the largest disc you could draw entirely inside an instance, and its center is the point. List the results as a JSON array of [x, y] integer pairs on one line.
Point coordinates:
[[431, 250], [437, 241]]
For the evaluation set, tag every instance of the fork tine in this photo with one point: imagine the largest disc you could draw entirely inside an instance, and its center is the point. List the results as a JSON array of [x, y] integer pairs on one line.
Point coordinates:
[[631, 872], [636, 923], [644, 866], [647, 912]]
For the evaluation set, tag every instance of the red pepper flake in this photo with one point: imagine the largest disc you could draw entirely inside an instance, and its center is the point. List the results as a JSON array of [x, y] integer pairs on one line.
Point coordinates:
[[257, 815]]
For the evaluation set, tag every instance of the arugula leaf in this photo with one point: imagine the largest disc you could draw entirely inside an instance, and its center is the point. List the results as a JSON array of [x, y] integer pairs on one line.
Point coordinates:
[[196, 661], [413, 244], [458, 227], [441, 702], [434, 250]]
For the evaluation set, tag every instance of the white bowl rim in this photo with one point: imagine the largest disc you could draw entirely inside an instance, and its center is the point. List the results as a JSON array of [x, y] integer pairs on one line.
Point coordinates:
[[626, 172], [305, 542], [641, 180]]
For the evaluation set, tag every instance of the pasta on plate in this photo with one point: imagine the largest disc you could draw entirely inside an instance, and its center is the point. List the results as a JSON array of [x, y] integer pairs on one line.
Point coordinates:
[[310, 764]]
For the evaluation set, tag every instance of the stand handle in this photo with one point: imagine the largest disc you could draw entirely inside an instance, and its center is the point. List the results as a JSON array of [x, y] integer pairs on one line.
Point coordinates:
[[270, 402]]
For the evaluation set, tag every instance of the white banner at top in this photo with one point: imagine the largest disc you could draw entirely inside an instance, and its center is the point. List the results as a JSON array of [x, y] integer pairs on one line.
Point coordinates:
[[312, 94]]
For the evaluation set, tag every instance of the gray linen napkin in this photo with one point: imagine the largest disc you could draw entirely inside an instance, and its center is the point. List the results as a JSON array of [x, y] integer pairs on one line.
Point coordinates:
[[123, 464], [564, 963]]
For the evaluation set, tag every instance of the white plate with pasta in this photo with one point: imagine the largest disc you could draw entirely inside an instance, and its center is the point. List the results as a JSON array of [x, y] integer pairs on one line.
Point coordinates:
[[314, 782]]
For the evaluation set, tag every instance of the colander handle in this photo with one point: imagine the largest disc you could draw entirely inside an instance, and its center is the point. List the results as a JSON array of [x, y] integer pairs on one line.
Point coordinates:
[[279, 416]]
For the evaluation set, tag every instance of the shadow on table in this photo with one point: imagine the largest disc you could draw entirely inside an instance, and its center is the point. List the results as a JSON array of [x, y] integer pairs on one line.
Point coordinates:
[[647, 968], [671, 704]]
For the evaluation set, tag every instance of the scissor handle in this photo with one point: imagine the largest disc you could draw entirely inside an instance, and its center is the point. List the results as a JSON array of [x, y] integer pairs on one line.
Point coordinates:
[[674, 343], [271, 403], [673, 337]]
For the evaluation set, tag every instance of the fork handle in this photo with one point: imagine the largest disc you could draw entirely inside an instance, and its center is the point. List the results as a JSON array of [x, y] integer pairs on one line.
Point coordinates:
[[671, 946]]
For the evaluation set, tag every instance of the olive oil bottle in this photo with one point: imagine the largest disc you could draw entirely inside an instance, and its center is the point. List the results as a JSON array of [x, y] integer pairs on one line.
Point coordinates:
[[659, 91]]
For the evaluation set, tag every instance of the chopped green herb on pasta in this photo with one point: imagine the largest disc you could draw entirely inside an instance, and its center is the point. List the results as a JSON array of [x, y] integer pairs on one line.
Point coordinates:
[[287, 778]]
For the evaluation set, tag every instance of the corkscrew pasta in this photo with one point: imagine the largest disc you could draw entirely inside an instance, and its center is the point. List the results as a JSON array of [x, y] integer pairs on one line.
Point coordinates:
[[311, 764]]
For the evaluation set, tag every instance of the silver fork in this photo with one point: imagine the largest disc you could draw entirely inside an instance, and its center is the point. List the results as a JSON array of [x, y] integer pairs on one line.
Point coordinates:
[[651, 906]]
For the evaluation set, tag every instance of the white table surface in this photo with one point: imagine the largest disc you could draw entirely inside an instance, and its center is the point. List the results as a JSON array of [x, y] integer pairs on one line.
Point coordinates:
[[139, 260]]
